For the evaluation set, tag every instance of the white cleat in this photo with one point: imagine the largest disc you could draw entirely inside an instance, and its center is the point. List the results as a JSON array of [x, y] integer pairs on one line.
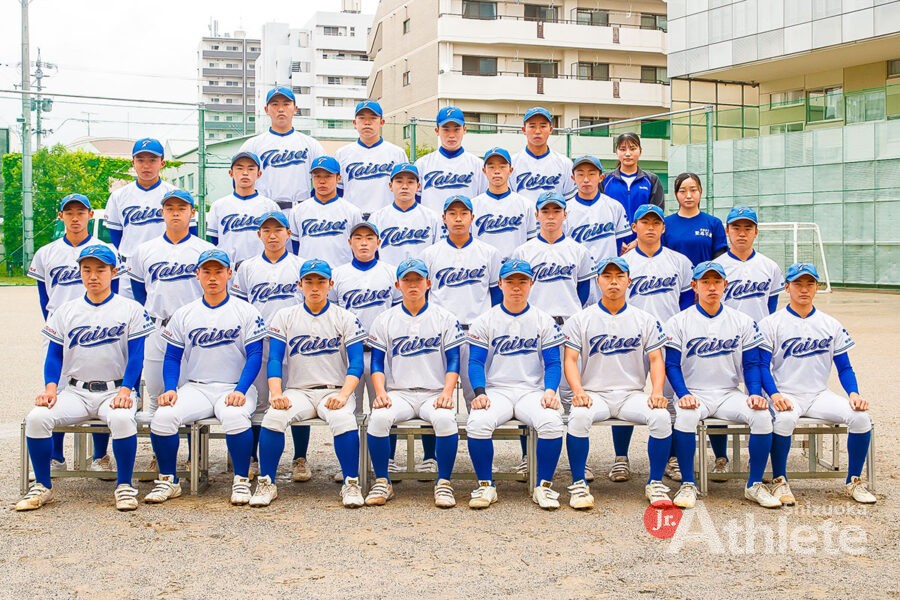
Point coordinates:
[[240, 491], [859, 491], [429, 465], [657, 494], [673, 471], [545, 497], [166, 488], [126, 497], [483, 496], [588, 474], [621, 470], [37, 496], [380, 493], [103, 465], [300, 470], [522, 467], [580, 497], [719, 468], [266, 491], [58, 465], [759, 493], [686, 496], [351, 494], [443, 494], [782, 491]]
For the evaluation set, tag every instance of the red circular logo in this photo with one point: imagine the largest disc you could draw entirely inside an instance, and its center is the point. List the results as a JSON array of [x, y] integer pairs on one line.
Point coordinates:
[[662, 521]]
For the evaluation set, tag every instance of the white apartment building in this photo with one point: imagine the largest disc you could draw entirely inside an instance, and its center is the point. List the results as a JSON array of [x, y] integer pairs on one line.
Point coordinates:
[[226, 69]]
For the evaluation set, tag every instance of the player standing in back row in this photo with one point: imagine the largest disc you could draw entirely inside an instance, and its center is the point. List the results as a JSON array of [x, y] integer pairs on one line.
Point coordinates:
[[538, 168]]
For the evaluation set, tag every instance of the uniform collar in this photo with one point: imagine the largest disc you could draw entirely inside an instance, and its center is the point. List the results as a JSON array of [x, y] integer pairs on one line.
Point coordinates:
[[219, 305], [424, 308], [796, 314], [735, 257], [280, 258], [82, 243], [538, 156], [455, 247], [512, 314], [412, 206], [587, 202], [285, 134], [378, 143], [247, 197], [499, 196], [364, 266], [449, 153], [181, 241], [543, 239], [706, 314], [152, 187], [641, 253], [329, 201], [321, 312], [101, 303], [606, 310]]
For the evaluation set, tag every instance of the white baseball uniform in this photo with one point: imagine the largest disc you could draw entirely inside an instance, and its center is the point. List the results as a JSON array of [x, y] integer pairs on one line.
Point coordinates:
[[505, 221], [533, 175], [657, 281], [751, 283], [598, 224], [406, 233], [234, 220], [558, 268], [366, 172], [323, 229], [285, 165], [444, 174]]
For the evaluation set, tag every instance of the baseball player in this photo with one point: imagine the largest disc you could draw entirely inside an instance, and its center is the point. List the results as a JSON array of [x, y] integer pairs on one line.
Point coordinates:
[[268, 281], [801, 343], [97, 347], [514, 365], [321, 227], [538, 168], [321, 345], [214, 351], [415, 368], [465, 274], [407, 227], [610, 348], [55, 268], [503, 218], [366, 165], [286, 154], [134, 211], [710, 349], [450, 170], [232, 223]]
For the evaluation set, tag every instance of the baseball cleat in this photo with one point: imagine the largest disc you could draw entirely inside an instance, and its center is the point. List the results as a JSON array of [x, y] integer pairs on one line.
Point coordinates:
[[588, 474], [126, 497], [686, 496], [782, 491], [621, 470], [443, 494], [103, 465], [166, 488], [718, 469], [266, 491], [338, 477], [380, 493], [580, 497], [859, 491], [545, 497], [240, 491], [483, 496], [429, 465], [522, 467], [657, 494], [759, 493], [58, 465], [351, 494], [300, 470], [393, 467], [253, 472], [153, 467], [37, 496], [673, 471]]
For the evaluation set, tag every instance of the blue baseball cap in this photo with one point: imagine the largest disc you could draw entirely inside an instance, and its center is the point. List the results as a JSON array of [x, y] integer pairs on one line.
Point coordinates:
[[612, 260], [182, 195], [148, 145], [315, 266], [514, 266], [536, 111], [587, 160], [412, 265], [369, 105], [550, 198], [367, 225], [458, 198], [705, 267], [79, 198], [326, 163], [797, 270], [502, 153], [280, 91], [102, 253], [644, 209], [276, 215], [741, 213], [249, 155], [404, 168], [450, 114], [214, 255]]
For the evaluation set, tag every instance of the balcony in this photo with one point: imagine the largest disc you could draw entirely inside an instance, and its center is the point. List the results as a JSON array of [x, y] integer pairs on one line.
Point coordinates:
[[210, 72], [228, 90], [343, 68], [222, 54]]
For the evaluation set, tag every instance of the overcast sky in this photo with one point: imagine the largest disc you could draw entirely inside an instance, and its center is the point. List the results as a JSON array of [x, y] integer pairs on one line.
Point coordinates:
[[126, 49]]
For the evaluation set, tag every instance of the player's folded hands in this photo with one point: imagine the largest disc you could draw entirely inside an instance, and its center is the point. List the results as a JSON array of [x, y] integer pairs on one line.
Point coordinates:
[[781, 403], [444, 401], [688, 401], [757, 402], [381, 401], [167, 398], [335, 402], [235, 398], [857, 402], [581, 399], [45, 399], [481, 401], [123, 399], [657, 401], [550, 400]]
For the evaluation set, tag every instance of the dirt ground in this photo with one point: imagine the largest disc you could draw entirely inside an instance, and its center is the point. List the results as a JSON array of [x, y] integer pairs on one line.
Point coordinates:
[[305, 543]]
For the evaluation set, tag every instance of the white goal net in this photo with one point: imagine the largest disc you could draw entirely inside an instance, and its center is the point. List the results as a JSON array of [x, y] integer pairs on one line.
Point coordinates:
[[787, 243]]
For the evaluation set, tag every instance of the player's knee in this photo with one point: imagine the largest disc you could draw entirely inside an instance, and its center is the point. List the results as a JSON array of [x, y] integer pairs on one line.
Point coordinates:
[[39, 423], [687, 419], [859, 421], [341, 422], [165, 421], [760, 422], [444, 422], [276, 420], [580, 421], [659, 423], [550, 425], [121, 423], [380, 422], [235, 420], [785, 422], [480, 426]]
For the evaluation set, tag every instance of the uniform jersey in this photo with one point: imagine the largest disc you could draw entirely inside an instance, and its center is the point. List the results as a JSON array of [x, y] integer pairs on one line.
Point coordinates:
[[269, 286], [657, 281], [366, 172], [235, 221], [366, 291], [803, 350], [558, 268], [414, 346], [505, 221], [406, 233], [444, 174], [168, 272], [316, 352], [533, 175], [214, 339], [323, 229], [137, 213], [751, 283], [514, 344], [597, 224], [285, 165], [613, 348], [712, 348], [699, 238], [461, 278], [56, 266], [95, 337]]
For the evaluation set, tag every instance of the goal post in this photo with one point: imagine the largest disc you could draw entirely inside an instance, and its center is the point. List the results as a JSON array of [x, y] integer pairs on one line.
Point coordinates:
[[790, 242]]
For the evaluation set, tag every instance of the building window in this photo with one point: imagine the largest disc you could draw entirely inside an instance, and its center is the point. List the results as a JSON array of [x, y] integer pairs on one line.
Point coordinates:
[[303, 112], [785, 128], [228, 136], [536, 12], [332, 30], [302, 89], [335, 80], [405, 78], [333, 102], [250, 65], [406, 132], [229, 118], [654, 75], [541, 68], [479, 10], [215, 47], [406, 26], [231, 66], [215, 100], [212, 83], [229, 100], [338, 124], [826, 104], [232, 83], [593, 71], [479, 65], [592, 16], [654, 22], [212, 65], [361, 81], [481, 122], [353, 32], [865, 106], [214, 118], [893, 68], [232, 48], [190, 181], [595, 123], [788, 98], [299, 67]]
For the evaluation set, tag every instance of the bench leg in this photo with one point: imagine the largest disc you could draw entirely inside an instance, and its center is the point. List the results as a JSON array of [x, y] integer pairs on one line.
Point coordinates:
[[196, 459], [813, 444], [870, 461], [736, 453], [363, 459], [702, 482], [79, 440], [24, 463], [532, 459]]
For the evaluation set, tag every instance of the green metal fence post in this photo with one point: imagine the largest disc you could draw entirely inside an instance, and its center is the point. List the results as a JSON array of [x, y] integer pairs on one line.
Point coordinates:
[[412, 139], [710, 194], [201, 174]]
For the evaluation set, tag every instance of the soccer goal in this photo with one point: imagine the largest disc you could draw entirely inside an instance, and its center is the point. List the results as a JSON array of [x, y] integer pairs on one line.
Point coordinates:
[[787, 243]]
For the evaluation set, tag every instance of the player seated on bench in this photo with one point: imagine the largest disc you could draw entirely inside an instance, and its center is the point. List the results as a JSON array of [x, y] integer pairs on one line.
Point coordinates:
[[97, 347], [800, 344], [514, 367], [323, 344]]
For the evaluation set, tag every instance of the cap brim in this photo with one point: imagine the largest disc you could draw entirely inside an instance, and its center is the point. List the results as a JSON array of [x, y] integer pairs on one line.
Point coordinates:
[[549, 202], [408, 271], [215, 260], [73, 201], [452, 120], [316, 272]]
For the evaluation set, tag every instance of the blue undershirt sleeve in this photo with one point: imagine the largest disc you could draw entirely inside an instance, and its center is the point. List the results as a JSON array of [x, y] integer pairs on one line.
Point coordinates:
[[139, 291], [277, 349], [53, 363], [115, 236], [452, 356], [355, 360], [131, 378], [251, 367], [43, 297], [477, 360], [552, 367], [376, 364], [496, 295], [172, 367], [673, 372], [584, 291], [750, 366], [686, 299], [765, 371], [773, 303], [846, 373]]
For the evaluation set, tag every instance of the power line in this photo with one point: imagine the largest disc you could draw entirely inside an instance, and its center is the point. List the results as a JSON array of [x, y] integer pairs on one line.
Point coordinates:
[[112, 98]]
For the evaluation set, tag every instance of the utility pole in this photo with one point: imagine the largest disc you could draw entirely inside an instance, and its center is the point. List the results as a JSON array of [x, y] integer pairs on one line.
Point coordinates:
[[27, 199], [84, 112], [38, 76]]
